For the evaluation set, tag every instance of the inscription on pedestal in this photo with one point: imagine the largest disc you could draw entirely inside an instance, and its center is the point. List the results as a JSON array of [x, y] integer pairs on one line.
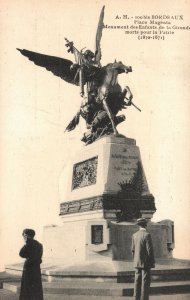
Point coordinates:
[[85, 173], [124, 164], [126, 169]]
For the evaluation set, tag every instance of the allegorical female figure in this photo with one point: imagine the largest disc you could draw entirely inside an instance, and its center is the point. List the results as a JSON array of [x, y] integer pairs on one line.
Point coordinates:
[[31, 283]]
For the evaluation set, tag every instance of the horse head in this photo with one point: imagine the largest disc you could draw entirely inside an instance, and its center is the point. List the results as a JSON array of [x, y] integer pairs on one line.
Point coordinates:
[[121, 68]]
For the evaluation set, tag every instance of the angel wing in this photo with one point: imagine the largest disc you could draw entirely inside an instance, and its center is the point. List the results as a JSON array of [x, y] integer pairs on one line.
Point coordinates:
[[98, 53], [60, 67]]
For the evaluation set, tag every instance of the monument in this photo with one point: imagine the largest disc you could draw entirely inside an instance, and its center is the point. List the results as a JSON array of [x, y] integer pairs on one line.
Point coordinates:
[[103, 188]]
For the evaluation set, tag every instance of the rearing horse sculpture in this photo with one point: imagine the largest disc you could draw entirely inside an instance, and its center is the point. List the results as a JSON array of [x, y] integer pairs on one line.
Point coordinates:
[[110, 91], [100, 109], [104, 96]]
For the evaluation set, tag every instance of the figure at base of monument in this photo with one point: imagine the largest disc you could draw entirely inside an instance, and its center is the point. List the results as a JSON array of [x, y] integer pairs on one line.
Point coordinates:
[[31, 283], [143, 254]]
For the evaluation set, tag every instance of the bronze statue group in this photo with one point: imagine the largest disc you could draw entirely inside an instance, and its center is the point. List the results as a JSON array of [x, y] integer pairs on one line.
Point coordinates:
[[102, 96]]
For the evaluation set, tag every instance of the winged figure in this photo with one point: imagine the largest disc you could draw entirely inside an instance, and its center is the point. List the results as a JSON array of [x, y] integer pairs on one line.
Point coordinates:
[[102, 96]]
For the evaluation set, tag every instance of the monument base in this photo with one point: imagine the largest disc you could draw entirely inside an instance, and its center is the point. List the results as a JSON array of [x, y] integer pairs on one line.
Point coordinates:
[[90, 237], [103, 191]]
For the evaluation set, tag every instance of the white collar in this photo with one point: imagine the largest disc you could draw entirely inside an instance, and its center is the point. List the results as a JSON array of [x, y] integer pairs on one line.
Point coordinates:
[[144, 229]]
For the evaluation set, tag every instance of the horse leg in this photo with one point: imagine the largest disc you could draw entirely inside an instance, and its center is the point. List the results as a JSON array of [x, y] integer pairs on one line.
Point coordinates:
[[110, 115]]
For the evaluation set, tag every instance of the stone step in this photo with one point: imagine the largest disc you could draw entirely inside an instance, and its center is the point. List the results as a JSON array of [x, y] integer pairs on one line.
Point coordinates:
[[103, 289], [5, 277], [119, 277], [73, 288], [9, 279], [158, 275], [82, 297], [7, 295], [116, 271], [113, 272]]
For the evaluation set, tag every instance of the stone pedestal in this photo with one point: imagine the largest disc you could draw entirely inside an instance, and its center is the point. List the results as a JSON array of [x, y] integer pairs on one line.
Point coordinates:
[[103, 191], [107, 176]]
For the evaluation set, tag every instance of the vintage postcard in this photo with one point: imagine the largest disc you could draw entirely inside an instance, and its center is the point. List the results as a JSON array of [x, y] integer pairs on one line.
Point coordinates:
[[149, 42]]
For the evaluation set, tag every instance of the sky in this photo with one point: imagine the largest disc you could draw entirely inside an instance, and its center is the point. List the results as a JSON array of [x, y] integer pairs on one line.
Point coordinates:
[[36, 106]]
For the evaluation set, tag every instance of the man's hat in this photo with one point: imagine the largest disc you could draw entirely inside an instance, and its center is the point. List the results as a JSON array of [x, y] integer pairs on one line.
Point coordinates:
[[29, 232], [141, 221]]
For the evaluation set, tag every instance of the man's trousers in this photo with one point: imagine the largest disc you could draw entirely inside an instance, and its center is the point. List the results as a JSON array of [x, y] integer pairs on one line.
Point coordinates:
[[142, 284]]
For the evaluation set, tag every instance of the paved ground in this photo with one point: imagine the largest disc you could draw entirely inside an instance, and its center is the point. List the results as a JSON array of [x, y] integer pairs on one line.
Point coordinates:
[[6, 295]]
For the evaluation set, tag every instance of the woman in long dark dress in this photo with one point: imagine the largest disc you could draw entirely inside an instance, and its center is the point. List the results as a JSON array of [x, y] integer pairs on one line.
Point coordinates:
[[31, 283]]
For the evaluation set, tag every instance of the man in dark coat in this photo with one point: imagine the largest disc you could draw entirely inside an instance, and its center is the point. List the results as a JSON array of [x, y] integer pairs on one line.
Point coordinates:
[[31, 284], [142, 251]]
